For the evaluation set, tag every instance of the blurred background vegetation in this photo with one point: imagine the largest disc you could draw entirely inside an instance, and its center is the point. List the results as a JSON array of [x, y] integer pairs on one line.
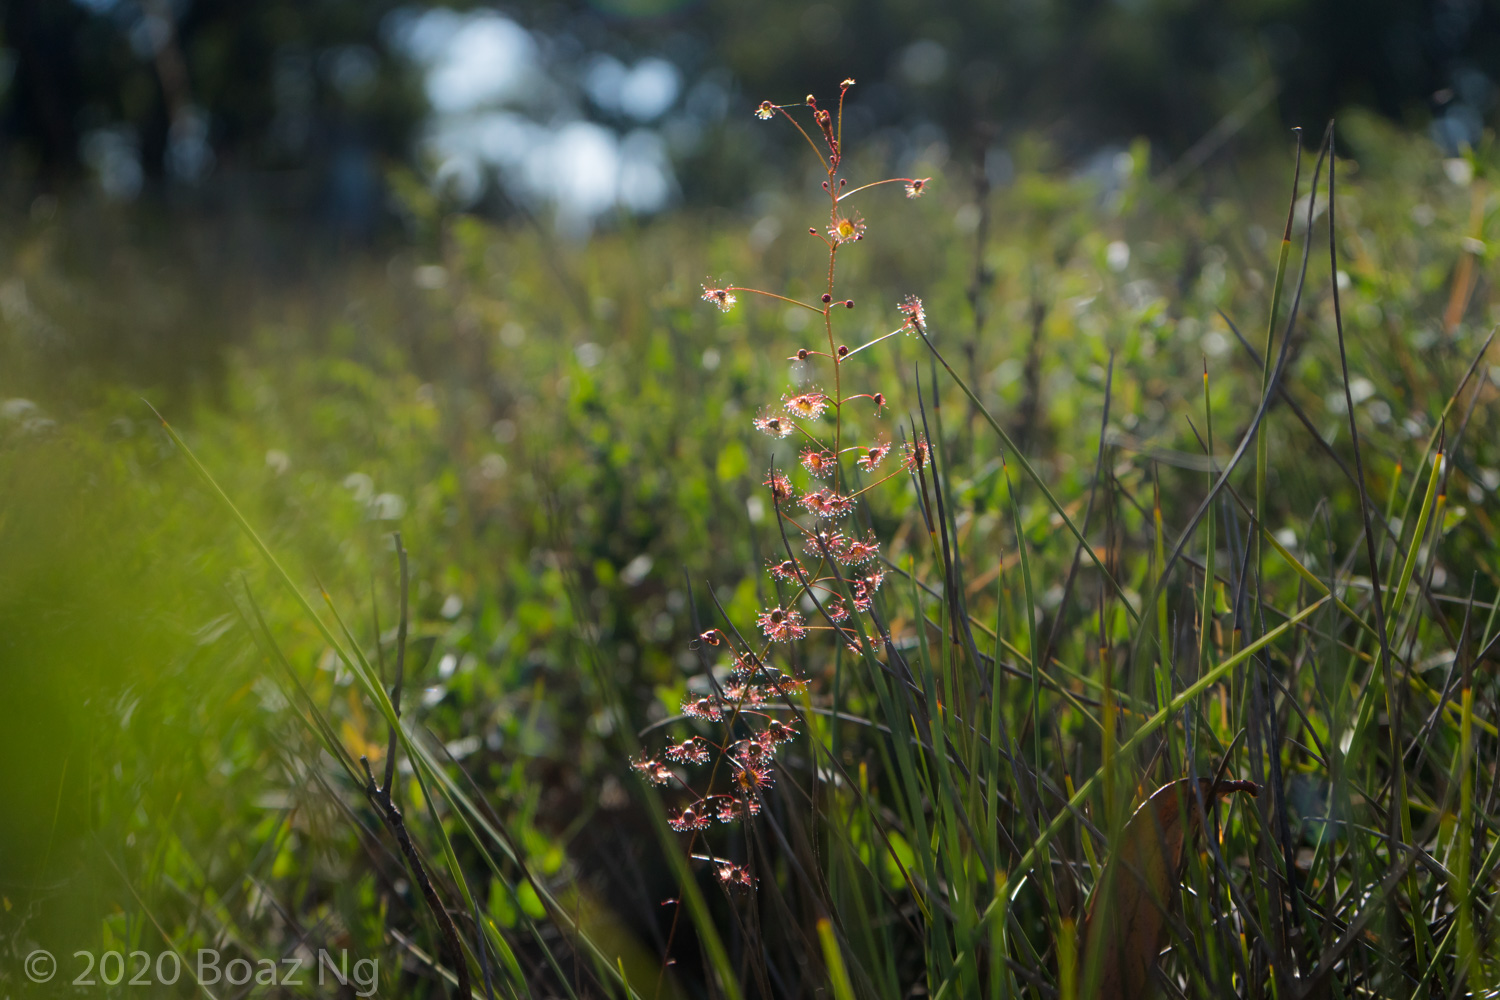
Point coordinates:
[[236, 151], [436, 270]]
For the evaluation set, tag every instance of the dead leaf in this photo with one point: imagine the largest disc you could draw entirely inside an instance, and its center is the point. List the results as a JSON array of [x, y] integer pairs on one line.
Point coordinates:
[[1128, 908]]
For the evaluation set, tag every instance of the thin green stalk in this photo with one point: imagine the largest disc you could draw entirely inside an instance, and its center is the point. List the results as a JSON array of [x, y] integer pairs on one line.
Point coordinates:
[[833, 958], [1464, 835], [1262, 462], [1206, 615]]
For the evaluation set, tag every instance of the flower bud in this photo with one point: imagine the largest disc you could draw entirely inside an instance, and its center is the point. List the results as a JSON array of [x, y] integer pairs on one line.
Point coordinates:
[[827, 298], [848, 303]]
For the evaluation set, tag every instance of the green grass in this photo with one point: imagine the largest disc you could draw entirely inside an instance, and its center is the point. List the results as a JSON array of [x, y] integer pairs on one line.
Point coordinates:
[[562, 436]]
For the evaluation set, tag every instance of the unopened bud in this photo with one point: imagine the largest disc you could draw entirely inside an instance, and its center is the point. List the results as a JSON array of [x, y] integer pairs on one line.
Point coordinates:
[[843, 349], [827, 298], [801, 354], [848, 303]]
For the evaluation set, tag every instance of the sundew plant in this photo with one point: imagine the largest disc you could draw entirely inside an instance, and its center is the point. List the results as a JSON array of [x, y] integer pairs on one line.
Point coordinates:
[[829, 567]]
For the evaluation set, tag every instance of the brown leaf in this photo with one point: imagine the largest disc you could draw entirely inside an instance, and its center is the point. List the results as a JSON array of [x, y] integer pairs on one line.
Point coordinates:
[[1128, 909]]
